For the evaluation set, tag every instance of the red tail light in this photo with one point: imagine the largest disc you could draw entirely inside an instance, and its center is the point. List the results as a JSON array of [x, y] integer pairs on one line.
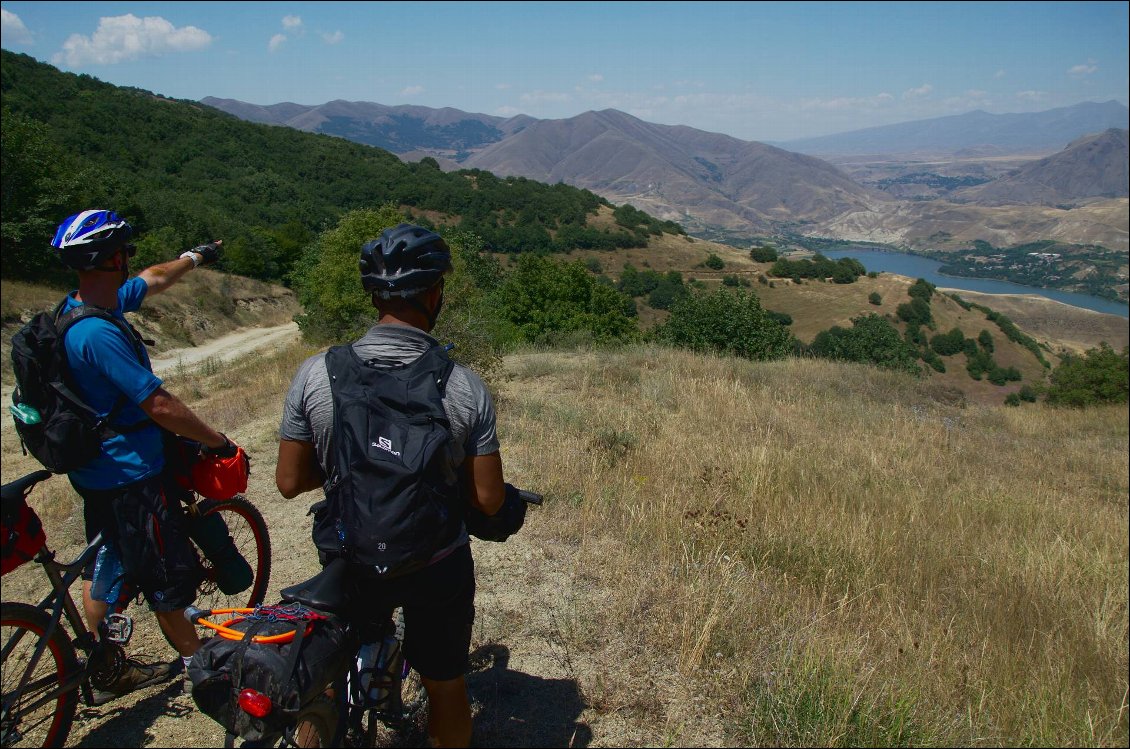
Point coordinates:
[[255, 704]]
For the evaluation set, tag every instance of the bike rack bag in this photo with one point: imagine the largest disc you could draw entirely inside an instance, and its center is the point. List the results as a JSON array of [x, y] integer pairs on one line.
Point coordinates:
[[308, 650]]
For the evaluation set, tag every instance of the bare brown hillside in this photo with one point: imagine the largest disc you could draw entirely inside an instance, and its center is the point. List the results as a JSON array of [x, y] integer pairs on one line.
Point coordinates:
[[203, 306]]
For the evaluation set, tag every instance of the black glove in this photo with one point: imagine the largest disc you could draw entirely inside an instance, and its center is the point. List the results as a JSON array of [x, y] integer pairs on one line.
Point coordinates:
[[209, 253], [501, 525], [226, 450]]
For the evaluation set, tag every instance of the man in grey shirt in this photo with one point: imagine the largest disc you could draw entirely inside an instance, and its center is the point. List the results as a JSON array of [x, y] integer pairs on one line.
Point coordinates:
[[404, 270]]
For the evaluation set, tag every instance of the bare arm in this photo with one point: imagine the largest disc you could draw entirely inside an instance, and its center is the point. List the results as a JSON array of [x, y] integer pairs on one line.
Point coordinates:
[[298, 469], [482, 477], [163, 275], [169, 412]]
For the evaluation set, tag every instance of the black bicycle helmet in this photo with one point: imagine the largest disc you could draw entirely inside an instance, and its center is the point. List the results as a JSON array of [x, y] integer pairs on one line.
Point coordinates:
[[404, 261], [86, 239]]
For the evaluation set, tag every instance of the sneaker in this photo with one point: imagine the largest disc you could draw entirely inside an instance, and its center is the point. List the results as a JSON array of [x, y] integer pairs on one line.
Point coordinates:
[[135, 676]]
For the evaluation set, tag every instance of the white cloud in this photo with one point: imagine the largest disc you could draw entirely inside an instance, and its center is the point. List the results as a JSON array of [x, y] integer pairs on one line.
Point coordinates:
[[122, 38], [334, 38], [13, 29], [999, 74], [914, 93], [1087, 69], [596, 77], [852, 103], [291, 22], [1031, 95], [503, 86], [411, 90], [276, 41], [540, 97], [507, 111]]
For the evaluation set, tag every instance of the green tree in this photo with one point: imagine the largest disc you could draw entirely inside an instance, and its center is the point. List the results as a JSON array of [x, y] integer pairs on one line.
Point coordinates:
[[545, 301], [872, 339], [1101, 375], [763, 254], [714, 262], [726, 322], [948, 344], [875, 298]]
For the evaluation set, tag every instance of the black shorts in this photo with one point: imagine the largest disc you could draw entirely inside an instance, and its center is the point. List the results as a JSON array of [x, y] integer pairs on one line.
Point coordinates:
[[148, 525], [439, 611]]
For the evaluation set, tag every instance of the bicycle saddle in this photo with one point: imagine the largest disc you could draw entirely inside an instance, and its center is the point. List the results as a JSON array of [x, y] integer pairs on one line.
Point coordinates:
[[326, 591], [18, 489]]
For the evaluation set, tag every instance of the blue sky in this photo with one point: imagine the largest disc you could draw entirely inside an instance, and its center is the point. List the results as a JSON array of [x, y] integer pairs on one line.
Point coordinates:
[[757, 71]]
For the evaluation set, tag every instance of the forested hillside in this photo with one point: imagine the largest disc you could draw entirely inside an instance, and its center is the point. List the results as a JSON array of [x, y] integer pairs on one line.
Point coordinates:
[[183, 173]]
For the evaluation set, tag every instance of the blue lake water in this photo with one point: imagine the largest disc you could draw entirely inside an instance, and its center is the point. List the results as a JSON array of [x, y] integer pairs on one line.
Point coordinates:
[[913, 266]]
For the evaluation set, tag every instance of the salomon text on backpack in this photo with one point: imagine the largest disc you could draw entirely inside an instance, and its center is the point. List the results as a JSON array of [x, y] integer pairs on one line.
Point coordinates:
[[394, 498], [54, 424]]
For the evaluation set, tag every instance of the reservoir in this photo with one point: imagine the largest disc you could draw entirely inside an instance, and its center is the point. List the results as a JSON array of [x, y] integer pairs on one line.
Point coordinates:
[[913, 266]]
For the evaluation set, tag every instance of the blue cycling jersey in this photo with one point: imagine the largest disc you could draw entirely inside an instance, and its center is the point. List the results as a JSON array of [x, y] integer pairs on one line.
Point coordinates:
[[105, 366]]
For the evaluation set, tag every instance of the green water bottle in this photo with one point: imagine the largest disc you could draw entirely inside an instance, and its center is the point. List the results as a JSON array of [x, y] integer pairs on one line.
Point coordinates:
[[24, 413]]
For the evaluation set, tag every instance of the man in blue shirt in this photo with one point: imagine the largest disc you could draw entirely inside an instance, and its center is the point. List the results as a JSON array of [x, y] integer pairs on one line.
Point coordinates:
[[125, 491]]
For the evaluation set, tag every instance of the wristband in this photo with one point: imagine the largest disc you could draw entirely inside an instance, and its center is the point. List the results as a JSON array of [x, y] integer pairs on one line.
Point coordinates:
[[195, 257]]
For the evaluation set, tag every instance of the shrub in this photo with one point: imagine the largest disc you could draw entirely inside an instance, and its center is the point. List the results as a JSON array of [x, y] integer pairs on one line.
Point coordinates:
[[875, 298], [916, 312], [763, 254], [727, 322], [545, 300], [1102, 375], [986, 341], [948, 344], [1012, 400], [714, 262], [921, 289], [872, 339]]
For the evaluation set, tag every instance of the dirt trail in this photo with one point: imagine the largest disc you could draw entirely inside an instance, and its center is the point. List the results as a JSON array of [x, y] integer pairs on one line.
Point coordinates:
[[528, 687], [226, 348]]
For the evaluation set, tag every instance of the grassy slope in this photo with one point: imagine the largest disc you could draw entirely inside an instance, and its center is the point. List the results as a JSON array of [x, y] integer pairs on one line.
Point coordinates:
[[816, 306], [833, 554], [827, 554]]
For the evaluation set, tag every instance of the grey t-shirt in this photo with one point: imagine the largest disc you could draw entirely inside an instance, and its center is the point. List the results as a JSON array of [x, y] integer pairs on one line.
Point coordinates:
[[308, 409]]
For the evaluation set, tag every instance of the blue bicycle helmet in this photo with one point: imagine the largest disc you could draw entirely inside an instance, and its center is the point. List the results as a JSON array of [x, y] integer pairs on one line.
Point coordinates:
[[404, 261], [86, 239]]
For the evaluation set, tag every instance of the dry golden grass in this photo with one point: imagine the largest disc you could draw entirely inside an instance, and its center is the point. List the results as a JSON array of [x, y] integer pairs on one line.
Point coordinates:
[[835, 556], [828, 554]]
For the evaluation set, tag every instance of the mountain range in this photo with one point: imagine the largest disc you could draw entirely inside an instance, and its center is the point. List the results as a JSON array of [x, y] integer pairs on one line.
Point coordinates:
[[974, 133], [713, 182]]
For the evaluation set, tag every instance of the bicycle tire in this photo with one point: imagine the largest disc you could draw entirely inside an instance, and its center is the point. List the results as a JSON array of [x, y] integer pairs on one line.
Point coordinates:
[[316, 725], [23, 627], [249, 531]]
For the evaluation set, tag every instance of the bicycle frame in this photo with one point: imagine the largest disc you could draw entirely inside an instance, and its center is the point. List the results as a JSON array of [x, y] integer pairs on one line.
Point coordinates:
[[58, 603]]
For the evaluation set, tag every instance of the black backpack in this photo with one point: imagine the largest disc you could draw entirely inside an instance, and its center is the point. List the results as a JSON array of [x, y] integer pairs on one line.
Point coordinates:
[[55, 425], [394, 499]]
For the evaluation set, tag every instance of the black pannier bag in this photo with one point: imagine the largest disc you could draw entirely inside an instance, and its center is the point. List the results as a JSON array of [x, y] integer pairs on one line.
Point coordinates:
[[291, 674]]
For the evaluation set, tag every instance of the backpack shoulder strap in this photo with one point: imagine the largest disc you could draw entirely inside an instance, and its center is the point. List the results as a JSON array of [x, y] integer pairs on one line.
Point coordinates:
[[64, 321]]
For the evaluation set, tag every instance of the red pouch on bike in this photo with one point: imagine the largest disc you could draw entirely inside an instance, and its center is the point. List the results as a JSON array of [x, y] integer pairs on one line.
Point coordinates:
[[220, 478], [22, 538]]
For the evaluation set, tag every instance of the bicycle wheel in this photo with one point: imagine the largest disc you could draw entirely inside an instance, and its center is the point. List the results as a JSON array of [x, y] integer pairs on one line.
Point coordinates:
[[316, 725], [248, 530], [35, 713]]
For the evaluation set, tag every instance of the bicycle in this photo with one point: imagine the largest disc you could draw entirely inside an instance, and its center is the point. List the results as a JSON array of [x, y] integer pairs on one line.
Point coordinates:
[[46, 670], [350, 712]]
